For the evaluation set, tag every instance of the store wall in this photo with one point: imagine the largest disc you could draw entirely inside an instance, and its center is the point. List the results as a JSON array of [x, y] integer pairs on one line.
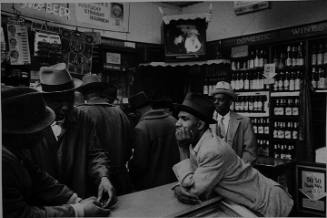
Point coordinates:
[[144, 22], [226, 24]]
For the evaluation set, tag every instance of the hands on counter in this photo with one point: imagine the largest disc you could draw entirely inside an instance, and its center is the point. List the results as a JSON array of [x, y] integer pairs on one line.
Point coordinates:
[[184, 196], [92, 208], [184, 138], [106, 193]]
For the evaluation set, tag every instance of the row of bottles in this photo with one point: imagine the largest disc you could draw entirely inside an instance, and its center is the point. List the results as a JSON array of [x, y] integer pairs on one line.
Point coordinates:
[[287, 81], [287, 106], [263, 147], [289, 56], [284, 151], [319, 77], [248, 81], [260, 126], [319, 53], [285, 130], [256, 59], [250, 104]]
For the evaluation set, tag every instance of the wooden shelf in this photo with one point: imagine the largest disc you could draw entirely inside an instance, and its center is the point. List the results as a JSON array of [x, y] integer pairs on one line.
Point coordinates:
[[285, 94]]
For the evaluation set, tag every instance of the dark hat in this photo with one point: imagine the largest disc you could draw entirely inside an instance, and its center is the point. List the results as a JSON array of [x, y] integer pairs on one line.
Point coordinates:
[[24, 111], [57, 79], [138, 100], [91, 81], [199, 105], [223, 87], [163, 102]]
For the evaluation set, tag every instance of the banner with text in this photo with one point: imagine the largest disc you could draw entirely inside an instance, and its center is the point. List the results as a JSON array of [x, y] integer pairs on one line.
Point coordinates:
[[109, 16]]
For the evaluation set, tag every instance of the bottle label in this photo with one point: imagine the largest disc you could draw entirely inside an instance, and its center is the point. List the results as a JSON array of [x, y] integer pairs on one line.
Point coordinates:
[[295, 111], [275, 134], [260, 130], [288, 111], [313, 59], [255, 129], [288, 134], [276, 111], [281, 134], [294, 134], [267, 130]]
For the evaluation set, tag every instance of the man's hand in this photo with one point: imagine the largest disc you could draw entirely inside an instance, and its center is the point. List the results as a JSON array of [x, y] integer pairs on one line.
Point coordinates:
[[184, 196], [106, 193], [91, 209], [183, 136]]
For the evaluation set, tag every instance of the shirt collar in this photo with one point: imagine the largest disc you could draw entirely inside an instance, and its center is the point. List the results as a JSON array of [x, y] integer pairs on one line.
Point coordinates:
[[227, 116]]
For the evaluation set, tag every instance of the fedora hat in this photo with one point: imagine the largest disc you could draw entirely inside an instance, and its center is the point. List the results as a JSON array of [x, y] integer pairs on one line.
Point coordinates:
[[91, 81], [57, 79], [138, 100], [223, 87], [24, 111], [199, 105]]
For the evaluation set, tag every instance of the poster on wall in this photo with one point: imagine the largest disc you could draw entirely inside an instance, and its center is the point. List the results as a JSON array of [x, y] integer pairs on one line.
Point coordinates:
[[110, 16], [19, 52], [78, 48]]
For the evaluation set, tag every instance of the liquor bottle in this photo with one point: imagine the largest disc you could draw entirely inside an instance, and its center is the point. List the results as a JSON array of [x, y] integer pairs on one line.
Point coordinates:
[[325, 53], [294, 56], [275, 132], [266, 129], [292, 81], [256, 59], [232, 82], [246, 104], [241, 82], [281, 64], [276, 107], [289, 56], [260, 126], [297, 80], [282, 107], [295, 108], [288, 154], [286, 82], [276, 58], [260, 61], [322, 80], [314, 55], [246, 82], [255, 104], [288, 107], [281, 130], [320, 54], [288, 130], [251, 104], [251, 60], [276, 82], [276, 151], [254, 124], [300, 58], [295, 131], [314, 81], [282, 152], [280, 81], [261, 85]]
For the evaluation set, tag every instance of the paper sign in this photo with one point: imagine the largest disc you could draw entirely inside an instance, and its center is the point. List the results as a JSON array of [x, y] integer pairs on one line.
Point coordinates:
[[269, 70], [113, 58], [313, 185]]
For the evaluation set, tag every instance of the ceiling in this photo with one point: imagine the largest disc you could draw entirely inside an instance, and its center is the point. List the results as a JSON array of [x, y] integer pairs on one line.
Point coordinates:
[[182, 4]]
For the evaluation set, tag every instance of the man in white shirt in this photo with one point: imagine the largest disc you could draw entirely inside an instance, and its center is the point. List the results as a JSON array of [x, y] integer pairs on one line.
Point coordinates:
[[234, 128]]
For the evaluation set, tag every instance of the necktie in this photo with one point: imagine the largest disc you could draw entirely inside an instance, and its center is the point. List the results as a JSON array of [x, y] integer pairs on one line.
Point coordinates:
[[221, 128]]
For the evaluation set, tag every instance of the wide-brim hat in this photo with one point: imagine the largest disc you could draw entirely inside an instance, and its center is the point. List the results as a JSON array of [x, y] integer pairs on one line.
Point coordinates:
[[24, 111], [57, 79], [223, 87], [91, 81], [199, 105], [138, 100]]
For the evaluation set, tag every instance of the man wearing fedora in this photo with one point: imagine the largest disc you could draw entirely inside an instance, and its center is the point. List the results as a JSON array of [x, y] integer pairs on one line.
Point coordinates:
[[27, 191], [71, 149], [113, 128], [209, 166], [155, 146], [234, 128]]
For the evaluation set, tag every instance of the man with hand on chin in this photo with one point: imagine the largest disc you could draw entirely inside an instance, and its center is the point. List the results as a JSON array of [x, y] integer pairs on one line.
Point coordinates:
[[209, 166]]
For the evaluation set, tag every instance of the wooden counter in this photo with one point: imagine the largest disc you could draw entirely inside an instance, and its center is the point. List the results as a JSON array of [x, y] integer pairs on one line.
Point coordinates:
[[161, 202]]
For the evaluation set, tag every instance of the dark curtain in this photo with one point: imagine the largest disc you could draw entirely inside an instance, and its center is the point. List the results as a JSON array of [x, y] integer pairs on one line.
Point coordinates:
[[305, 150]]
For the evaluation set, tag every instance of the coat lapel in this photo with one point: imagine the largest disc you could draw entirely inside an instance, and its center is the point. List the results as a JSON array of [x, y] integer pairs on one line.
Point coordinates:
[[234, 122]]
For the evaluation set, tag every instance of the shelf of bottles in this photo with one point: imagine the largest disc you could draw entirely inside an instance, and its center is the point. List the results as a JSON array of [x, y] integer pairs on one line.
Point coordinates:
[[285, 122], [318, 64], [252, 104], [210, 81], [261, 128], [247, 72]]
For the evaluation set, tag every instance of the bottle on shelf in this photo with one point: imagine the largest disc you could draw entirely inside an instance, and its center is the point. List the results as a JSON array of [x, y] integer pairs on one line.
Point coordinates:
[[289, 56], [300, 57], [288, 107], [280, 85], [286, 82], [295, 132], [294, 53], [276, 151], [281, 63], [297, 81], [325, 53], [322, 79], [320, 54], [292, 81], [246, 82], [314, 55], [251, 60], [295, 108], [256, 59]]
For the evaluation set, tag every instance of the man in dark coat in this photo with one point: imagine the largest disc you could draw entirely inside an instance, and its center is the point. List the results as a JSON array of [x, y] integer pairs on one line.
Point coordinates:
[[28, 191], [113, 128], [155, 146], [80, 161]]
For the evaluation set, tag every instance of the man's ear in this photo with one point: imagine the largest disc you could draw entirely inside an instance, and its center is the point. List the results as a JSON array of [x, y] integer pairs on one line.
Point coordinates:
[[200, 124]]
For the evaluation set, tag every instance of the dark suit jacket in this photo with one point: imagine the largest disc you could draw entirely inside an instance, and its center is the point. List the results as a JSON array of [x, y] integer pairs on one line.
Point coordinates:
[[155, 151], [30, 192], [241, 136]]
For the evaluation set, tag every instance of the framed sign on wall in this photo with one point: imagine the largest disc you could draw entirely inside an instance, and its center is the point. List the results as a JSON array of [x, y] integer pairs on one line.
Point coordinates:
[[311, 189]]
